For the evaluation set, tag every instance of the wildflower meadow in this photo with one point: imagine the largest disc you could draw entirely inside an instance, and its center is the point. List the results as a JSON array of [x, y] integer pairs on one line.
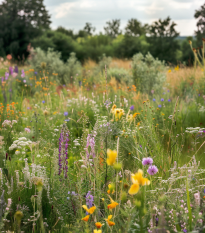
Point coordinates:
[[115, 146]]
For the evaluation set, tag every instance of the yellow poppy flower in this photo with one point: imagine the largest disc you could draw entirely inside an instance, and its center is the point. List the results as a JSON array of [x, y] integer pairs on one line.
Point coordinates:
[[118, 113], [98, 225], [138, 178], [134, 189], [110, 223], [97, 231], [113, 108], [86, 218], [112, 155], [91, 210], [112, 205]]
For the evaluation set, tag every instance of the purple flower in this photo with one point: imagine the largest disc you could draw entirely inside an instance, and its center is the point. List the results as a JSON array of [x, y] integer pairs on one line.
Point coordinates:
[[152, 170], [24, 81], [16, 70], [159, 105], [169, 100], [35, 72], [10, 70], [198, 94], [65, 113], [167, 90], [67, 120], [6, 75], [152, 91], [184, 230], [90, 147], [43, 101], [153, 99], [22, 74], [162, 99], [132, 108], [147, 161], [89, 199]]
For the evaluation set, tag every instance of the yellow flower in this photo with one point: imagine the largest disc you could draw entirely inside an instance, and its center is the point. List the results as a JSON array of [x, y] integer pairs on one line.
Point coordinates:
[[103, 199], [112, 155], [112, 205], [109, 222], [134, 189], [97, 231], [98, 225], [91, 210], [137, 180], [113, 108], [169, 71], [86, 218], [118, 113]]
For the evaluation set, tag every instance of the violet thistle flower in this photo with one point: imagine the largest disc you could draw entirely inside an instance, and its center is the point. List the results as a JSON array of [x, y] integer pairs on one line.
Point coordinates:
[[16, 70], [132, 108], [152, 170], [147, 161]]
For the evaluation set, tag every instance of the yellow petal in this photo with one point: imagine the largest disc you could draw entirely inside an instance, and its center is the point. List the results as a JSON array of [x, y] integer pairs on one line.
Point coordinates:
[[134, 189], [97, 231], [145, 181], [86, 218], [91, 210], [109, 217], [111, 157], [85, 207]]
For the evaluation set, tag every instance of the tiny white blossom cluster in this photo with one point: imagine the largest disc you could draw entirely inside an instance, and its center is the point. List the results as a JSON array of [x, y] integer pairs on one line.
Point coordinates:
[[20, 143], [194, 130]]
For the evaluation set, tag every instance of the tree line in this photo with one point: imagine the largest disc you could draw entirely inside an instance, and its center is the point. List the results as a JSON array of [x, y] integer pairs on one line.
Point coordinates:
[[26, 23]]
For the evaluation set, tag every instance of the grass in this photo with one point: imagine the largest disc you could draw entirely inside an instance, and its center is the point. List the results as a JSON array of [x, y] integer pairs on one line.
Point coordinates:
[[55, 158]]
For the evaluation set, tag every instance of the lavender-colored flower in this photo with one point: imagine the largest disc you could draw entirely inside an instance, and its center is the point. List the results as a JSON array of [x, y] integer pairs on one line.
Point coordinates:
[[27, 130], [147, 161], [6, 75], [65, 113], [63, 151], [152, 91], [159, 105], [204, 190], [152, 170], [22, 74], [35, 72], [162, 99], [43, 101], [89, 199], [132, 108], [169, 100], [198, 94], [153, 99], [167, 90], [185, 230], [24, 80], [67, 120], [90, 147], [10, 70], [16, 70]]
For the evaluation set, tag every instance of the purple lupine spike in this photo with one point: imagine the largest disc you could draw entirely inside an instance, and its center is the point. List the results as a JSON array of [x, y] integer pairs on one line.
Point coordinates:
[[90, 147], [10, 70], [63, 151]]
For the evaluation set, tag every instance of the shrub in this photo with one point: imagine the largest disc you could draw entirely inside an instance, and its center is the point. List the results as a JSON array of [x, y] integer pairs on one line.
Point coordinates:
[[148, 73], [55, 65], [120, 74]]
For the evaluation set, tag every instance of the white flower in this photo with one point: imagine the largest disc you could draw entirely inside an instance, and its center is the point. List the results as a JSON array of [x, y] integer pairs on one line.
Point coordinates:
[[17, 152], [38, 156]]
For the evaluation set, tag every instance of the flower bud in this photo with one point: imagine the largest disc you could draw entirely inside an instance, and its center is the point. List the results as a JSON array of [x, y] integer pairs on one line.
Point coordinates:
[[117, 166], [138, 203]]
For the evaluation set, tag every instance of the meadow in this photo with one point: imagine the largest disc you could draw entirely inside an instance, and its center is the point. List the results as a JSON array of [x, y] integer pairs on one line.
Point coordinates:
[[116, 146]]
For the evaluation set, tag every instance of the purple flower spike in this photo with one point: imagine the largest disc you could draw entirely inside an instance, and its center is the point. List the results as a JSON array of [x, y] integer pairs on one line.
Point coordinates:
[[152, 170], [159, 105], [147, 161], [162, 99], [65, 113], [132, 108]]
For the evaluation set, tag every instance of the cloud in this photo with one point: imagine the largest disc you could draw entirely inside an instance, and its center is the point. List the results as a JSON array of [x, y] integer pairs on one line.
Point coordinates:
[[74, 14]]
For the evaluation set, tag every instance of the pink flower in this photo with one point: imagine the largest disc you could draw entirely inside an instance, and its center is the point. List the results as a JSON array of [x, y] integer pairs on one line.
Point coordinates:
[[27, 130]]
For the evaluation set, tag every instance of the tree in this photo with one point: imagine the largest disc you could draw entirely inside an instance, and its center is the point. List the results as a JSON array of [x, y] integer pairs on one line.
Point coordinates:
[[162, 37], [67, 32], [21, 21], [200, 15], [135, 28], [113, 28], [89, 29]]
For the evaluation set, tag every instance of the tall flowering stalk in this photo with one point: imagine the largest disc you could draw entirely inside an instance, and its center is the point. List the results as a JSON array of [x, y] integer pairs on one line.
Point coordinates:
[[90, 147], [63, 151]]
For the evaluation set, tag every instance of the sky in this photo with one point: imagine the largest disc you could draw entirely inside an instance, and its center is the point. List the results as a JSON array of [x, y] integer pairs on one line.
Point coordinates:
[[73, 14]]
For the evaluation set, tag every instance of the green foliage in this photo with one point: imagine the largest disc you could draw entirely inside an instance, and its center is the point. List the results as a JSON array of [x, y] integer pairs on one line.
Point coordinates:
[[17, 29], [121, 75], [66, 71], [104, 61], [162, 40], [135, 28], [113, 28], [200, 15], [148, 73]]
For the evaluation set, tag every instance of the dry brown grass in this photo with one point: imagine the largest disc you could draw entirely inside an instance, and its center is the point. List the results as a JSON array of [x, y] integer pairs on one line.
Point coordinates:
[[126, 64], [184, 74], [89, 64]]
